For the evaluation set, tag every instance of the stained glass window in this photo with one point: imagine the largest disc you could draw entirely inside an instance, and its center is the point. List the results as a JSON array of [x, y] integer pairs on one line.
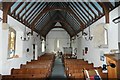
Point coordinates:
[[11, 42]]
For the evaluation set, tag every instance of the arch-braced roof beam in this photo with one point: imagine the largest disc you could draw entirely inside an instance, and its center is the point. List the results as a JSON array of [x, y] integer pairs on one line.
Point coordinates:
[[63, 27], [61, 17], [55, 8], [48, 22], [55, 21], [106, 11], [6, 9]]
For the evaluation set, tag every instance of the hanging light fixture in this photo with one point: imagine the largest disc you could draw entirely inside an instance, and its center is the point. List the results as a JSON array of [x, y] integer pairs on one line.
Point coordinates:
[[88, 36], [26, 36]]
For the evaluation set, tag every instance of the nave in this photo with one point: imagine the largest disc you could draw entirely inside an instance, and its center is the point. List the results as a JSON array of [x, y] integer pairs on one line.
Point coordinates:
[[65, 39], [47, 67]]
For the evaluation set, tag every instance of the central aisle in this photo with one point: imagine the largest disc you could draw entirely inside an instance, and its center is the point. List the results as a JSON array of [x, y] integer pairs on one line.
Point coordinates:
[[58, 70]]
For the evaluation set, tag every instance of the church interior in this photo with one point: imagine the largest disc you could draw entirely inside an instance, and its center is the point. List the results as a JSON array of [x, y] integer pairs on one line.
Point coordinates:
[[59, 39]]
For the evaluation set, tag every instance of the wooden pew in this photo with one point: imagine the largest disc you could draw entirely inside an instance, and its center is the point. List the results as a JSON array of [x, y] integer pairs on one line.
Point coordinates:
[[76, 69], [35, 70], [30, 71], [34, 66], [24, 76], [92, 72], [76, 76]]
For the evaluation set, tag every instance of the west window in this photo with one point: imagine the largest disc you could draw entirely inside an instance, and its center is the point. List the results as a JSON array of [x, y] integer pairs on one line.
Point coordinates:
[[43, 46], [58, 43]]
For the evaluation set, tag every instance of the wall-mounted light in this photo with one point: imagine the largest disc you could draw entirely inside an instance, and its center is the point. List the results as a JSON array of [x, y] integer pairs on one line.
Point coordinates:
[[87, 36], [84, 33], [116, 20], [37, 35], [25, 39], [28, 33]]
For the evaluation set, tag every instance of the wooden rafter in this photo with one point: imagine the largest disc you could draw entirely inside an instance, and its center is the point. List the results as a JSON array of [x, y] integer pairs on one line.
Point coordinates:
[[90, 9], [56, 8], [44, 33], [65, 5], [38, 9], [27, 10], [117, 4], [31, 11], [86, 10], [48, 22], [110, 5], [45, 19], [63, 22], [80, 13], [67, 23], [65, 10], [66, 28], [27, 3], [48, 4], [99, 12], [54, 21], [82, 25], [52, 4], [40, 20], [76, 23], [13, 12], [73, 13]]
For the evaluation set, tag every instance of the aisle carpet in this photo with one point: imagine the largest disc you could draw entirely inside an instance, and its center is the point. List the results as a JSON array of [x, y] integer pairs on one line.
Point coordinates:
[[58, 70]]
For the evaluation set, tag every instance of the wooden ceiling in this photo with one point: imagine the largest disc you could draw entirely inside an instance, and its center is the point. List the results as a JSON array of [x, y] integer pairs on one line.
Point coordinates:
[[41, 17]]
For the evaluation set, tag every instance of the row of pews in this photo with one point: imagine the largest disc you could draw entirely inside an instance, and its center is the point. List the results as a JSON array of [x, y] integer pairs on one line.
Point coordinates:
[[80, 69], [35, 70]]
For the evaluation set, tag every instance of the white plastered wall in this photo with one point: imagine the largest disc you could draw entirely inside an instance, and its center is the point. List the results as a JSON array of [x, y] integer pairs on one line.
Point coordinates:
[[1, 42], [21, 46], [62, 35], [93, 54]]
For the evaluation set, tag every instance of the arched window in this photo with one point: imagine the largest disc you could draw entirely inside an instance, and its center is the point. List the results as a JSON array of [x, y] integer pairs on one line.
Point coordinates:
[[11, 42]]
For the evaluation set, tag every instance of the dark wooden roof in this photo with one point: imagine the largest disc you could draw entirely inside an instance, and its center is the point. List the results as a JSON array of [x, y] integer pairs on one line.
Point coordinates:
[[73, 16]]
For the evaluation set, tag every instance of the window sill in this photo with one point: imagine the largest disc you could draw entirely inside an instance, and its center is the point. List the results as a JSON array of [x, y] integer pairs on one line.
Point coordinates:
[[103, 46]]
